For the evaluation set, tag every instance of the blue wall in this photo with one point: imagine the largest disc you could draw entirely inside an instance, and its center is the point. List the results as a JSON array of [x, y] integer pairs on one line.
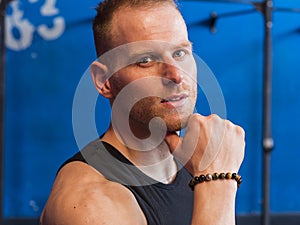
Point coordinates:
[[43, 70]]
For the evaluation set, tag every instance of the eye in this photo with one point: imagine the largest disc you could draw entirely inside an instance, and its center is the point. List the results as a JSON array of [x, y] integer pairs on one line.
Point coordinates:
[[179, 53], [145, 61]]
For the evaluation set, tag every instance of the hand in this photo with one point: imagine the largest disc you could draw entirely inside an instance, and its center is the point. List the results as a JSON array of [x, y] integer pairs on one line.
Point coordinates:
[[210, 144]]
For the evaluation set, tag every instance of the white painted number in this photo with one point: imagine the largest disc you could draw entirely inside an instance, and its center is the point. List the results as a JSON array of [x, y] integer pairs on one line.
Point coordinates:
[[49, 9], [26, 29]]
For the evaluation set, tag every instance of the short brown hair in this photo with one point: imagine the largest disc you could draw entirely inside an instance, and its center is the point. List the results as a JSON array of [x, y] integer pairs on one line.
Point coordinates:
[[105, 11]]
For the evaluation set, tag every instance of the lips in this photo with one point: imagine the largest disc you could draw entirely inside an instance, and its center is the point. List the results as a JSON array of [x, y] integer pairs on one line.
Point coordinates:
[[174, 98], [176, 101]]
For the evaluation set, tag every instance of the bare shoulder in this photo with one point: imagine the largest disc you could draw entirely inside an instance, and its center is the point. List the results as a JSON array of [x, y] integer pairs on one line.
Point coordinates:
[[81, 195]]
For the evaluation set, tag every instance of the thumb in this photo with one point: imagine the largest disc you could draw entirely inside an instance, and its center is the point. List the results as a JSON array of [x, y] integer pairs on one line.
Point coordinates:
[[173, 140]]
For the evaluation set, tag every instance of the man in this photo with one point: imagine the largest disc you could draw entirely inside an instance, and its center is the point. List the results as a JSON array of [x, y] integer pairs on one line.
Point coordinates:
[[145, 61]]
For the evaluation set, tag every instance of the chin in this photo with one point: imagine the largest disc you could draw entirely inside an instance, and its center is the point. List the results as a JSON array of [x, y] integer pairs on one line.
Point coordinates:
[[176, 125]]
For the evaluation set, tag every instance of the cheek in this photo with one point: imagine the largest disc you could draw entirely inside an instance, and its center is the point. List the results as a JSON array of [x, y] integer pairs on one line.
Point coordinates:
[[117, 83], [122, 78], [191, 83], [188, 66]]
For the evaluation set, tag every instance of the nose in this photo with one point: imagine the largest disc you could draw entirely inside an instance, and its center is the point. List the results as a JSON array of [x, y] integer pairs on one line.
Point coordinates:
[[171, 74]]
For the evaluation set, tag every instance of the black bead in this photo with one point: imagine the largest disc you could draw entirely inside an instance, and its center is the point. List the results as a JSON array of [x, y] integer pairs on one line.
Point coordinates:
[[233, 176], [202, 178], [192, 184], [215, 176], [239, 181], [222, 176]]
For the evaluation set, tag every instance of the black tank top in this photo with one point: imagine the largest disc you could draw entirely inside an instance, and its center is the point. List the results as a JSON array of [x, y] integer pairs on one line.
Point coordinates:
[[162, 204]]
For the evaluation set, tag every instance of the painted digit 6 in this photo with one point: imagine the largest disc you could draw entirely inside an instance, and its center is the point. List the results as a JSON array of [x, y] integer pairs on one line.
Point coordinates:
[[25, 28]]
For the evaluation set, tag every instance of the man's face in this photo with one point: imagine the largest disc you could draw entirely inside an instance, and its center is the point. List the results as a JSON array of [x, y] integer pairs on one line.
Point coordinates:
[[160, 67]]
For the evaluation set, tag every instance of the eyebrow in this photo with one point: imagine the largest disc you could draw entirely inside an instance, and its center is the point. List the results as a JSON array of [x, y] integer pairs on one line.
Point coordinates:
[[187, 44], [141, 53]]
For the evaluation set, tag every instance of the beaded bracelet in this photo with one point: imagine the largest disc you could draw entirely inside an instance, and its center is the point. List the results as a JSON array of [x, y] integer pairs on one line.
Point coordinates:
[[216, 176]]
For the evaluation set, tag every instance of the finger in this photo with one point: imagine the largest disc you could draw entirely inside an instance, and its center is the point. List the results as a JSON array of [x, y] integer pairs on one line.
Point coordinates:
[[192, 131], [189, 142], [172, 140]]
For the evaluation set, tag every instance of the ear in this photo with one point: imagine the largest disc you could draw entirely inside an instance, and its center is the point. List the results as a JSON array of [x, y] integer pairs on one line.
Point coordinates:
[[99, 73]]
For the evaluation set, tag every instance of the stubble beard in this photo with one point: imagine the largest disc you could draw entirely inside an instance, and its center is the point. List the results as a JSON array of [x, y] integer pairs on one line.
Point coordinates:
[[149, 108]]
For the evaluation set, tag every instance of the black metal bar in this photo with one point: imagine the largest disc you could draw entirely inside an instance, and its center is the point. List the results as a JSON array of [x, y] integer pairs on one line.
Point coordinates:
[[267, 142], [214, 17], [236, 13], [3, 5]]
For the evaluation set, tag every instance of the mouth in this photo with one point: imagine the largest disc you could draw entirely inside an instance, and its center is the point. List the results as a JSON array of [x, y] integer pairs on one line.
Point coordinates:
[[177, 100], [174, 98]]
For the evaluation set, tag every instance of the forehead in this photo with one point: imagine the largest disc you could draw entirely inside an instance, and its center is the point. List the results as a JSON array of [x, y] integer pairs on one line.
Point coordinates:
[[161, 22]]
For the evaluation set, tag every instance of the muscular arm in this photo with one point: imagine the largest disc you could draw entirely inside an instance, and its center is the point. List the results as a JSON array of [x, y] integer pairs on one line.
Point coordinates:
[[81, 195]]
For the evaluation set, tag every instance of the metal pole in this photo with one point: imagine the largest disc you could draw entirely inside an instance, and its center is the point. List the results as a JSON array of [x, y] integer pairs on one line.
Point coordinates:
[[267, 141], [3, 4]]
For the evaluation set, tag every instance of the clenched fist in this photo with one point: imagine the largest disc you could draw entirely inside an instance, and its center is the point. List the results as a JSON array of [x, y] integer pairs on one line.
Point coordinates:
[[210, 144]]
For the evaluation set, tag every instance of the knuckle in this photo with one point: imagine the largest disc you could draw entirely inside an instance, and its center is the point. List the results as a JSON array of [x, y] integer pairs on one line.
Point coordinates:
[[228, 124], [213, 116], [235, 128], [196, 118], [240, 130]]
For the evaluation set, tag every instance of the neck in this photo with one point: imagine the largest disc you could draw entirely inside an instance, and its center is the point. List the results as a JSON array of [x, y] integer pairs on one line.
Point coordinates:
[[157, 162]]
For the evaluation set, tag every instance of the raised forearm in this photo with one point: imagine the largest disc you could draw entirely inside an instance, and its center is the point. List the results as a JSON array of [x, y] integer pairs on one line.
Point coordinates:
[[214, 203]]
